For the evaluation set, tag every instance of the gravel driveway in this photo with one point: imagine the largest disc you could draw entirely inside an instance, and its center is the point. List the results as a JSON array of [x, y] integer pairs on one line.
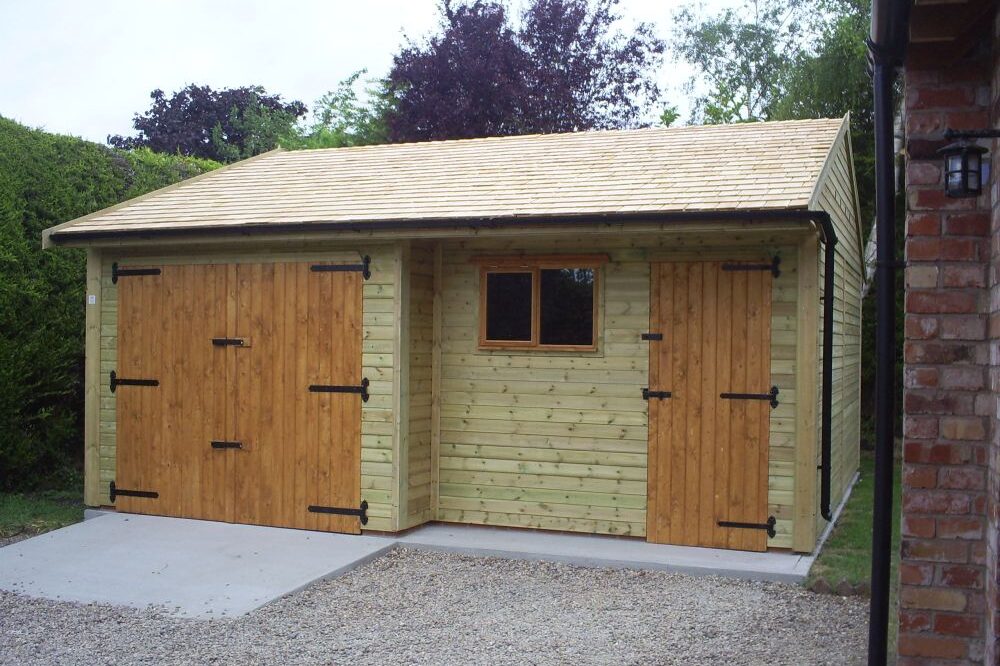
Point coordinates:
[[412, 607]]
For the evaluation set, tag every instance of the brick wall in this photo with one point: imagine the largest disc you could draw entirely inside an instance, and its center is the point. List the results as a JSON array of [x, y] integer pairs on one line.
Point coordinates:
[[947, 378], [993, 332]]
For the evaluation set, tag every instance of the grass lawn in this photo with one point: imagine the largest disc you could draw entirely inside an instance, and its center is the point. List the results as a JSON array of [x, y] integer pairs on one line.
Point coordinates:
[[847, 553], [34, 513]]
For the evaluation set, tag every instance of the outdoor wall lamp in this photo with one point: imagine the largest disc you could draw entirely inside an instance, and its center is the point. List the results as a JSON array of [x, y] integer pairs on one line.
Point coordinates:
[[965, 171]]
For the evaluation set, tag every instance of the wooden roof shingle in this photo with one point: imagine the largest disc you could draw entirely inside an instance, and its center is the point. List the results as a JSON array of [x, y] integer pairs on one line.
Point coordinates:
[[752, 166]]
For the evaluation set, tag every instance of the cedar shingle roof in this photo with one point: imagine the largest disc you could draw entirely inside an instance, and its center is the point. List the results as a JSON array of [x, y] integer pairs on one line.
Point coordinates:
[[771, 165]]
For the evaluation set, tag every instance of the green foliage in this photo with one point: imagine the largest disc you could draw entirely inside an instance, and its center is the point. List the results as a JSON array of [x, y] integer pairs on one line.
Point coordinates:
[[46, 179], [742, 54], [669, 116], [342, 118]]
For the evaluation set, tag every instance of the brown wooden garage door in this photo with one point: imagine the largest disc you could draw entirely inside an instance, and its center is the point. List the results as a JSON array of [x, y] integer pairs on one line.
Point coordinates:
[[709, 404], [238, 391]]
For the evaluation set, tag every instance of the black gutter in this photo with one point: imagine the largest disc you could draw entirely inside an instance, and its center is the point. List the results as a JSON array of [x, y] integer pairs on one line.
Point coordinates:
[[821, 218], [889, 34], [673, 217]]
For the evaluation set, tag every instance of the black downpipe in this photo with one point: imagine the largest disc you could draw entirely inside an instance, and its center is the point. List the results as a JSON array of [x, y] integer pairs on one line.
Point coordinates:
[[826, 447], [885, 360]]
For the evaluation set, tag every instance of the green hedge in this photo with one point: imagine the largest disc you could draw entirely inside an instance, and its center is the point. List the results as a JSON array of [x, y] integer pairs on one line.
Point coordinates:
[[46, 179]]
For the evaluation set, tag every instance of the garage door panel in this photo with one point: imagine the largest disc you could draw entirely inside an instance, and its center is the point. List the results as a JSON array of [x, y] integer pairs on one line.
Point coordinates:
[[165, 330], [138, 407], [305, 447], [280, 447]]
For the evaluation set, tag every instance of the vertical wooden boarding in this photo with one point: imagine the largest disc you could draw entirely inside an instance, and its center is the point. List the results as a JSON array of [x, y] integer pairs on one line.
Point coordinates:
[[165, 329], [302, 447], [708, 455], [333, 357], [136, 412]]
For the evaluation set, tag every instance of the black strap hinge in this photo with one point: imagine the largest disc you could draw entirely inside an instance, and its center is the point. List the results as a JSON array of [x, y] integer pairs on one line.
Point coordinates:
[[771, 396], [224, 444], [769, 525], [330, 388], [228, 342], [364, 267], [774, 267], [361, 512], [115, 491], [651, 336], [117, 381], [117, 272], [660, 395]]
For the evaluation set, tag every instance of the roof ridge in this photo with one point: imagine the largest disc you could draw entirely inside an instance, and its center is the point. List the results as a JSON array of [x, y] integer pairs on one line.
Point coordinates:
[[576, 134]]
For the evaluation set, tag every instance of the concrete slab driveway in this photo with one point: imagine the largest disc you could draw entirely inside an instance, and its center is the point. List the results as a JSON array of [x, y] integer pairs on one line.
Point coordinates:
[[191, 568]]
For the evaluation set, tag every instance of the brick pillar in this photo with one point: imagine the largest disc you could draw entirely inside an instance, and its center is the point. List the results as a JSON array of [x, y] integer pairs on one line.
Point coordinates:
[[992, 648], [947, 399]]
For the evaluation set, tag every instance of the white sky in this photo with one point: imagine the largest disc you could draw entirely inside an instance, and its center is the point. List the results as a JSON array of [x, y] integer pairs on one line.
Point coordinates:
[[84, 67]]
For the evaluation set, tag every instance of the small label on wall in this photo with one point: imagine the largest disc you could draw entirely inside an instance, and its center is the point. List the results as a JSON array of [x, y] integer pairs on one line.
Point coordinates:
[[91, 299]]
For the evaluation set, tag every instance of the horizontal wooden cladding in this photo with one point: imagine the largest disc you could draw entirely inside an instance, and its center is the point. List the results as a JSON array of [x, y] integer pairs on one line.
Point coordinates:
[[558, 440], [540, 260], [378, 335]]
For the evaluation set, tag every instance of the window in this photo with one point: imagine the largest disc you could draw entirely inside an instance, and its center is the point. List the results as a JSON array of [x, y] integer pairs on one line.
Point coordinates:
[[532, 302]]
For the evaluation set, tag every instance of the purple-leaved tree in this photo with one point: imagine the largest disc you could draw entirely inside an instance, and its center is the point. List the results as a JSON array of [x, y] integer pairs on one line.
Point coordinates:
[[563, 67]]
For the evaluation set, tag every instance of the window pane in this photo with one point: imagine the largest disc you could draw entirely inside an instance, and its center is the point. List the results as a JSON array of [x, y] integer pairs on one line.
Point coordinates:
[[508, 306], [567, 306]]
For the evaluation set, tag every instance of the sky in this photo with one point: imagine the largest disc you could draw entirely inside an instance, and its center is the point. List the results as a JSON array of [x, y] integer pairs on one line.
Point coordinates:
[[85, 67]]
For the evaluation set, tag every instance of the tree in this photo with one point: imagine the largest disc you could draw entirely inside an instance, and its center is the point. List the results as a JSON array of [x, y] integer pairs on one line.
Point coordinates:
[[224, 125], [743, 56], [562, 68], [340, 118]]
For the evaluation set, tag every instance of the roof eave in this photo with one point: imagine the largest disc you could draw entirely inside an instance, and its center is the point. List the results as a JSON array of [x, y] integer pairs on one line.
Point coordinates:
[[85, 238]]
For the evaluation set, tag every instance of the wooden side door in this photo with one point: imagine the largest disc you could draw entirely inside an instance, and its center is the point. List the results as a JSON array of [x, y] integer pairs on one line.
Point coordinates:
[[708, 441], [302, 447], [167, 318]]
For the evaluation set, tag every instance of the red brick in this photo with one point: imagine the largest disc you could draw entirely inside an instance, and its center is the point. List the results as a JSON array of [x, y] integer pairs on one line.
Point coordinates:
[[938, 402], [921, 527], [958, 625], [962, 378], [914, 621], [922, 645], [963, 328], [968, 529], [959, 249], [940, 302], [924, 123], [963, 276], [957, 575], [950, 96], [921, 328], [967, 224], [932, 598], [938, 453], [920, 426], [966, 119], [920, 477], [936, 501], [920, 377], [963, 428], [938, 353], [934, 198], [961, 478], [923, 249], [935, 550]]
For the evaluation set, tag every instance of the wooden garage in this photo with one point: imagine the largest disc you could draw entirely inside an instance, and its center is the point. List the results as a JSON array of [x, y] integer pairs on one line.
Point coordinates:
[[597, 332]]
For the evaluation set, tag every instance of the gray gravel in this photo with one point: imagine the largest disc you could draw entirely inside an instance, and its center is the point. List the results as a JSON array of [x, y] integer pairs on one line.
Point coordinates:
[[412, 607]]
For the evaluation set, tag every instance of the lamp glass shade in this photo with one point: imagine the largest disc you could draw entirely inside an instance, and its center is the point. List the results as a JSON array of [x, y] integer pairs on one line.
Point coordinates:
[[963, 163]]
